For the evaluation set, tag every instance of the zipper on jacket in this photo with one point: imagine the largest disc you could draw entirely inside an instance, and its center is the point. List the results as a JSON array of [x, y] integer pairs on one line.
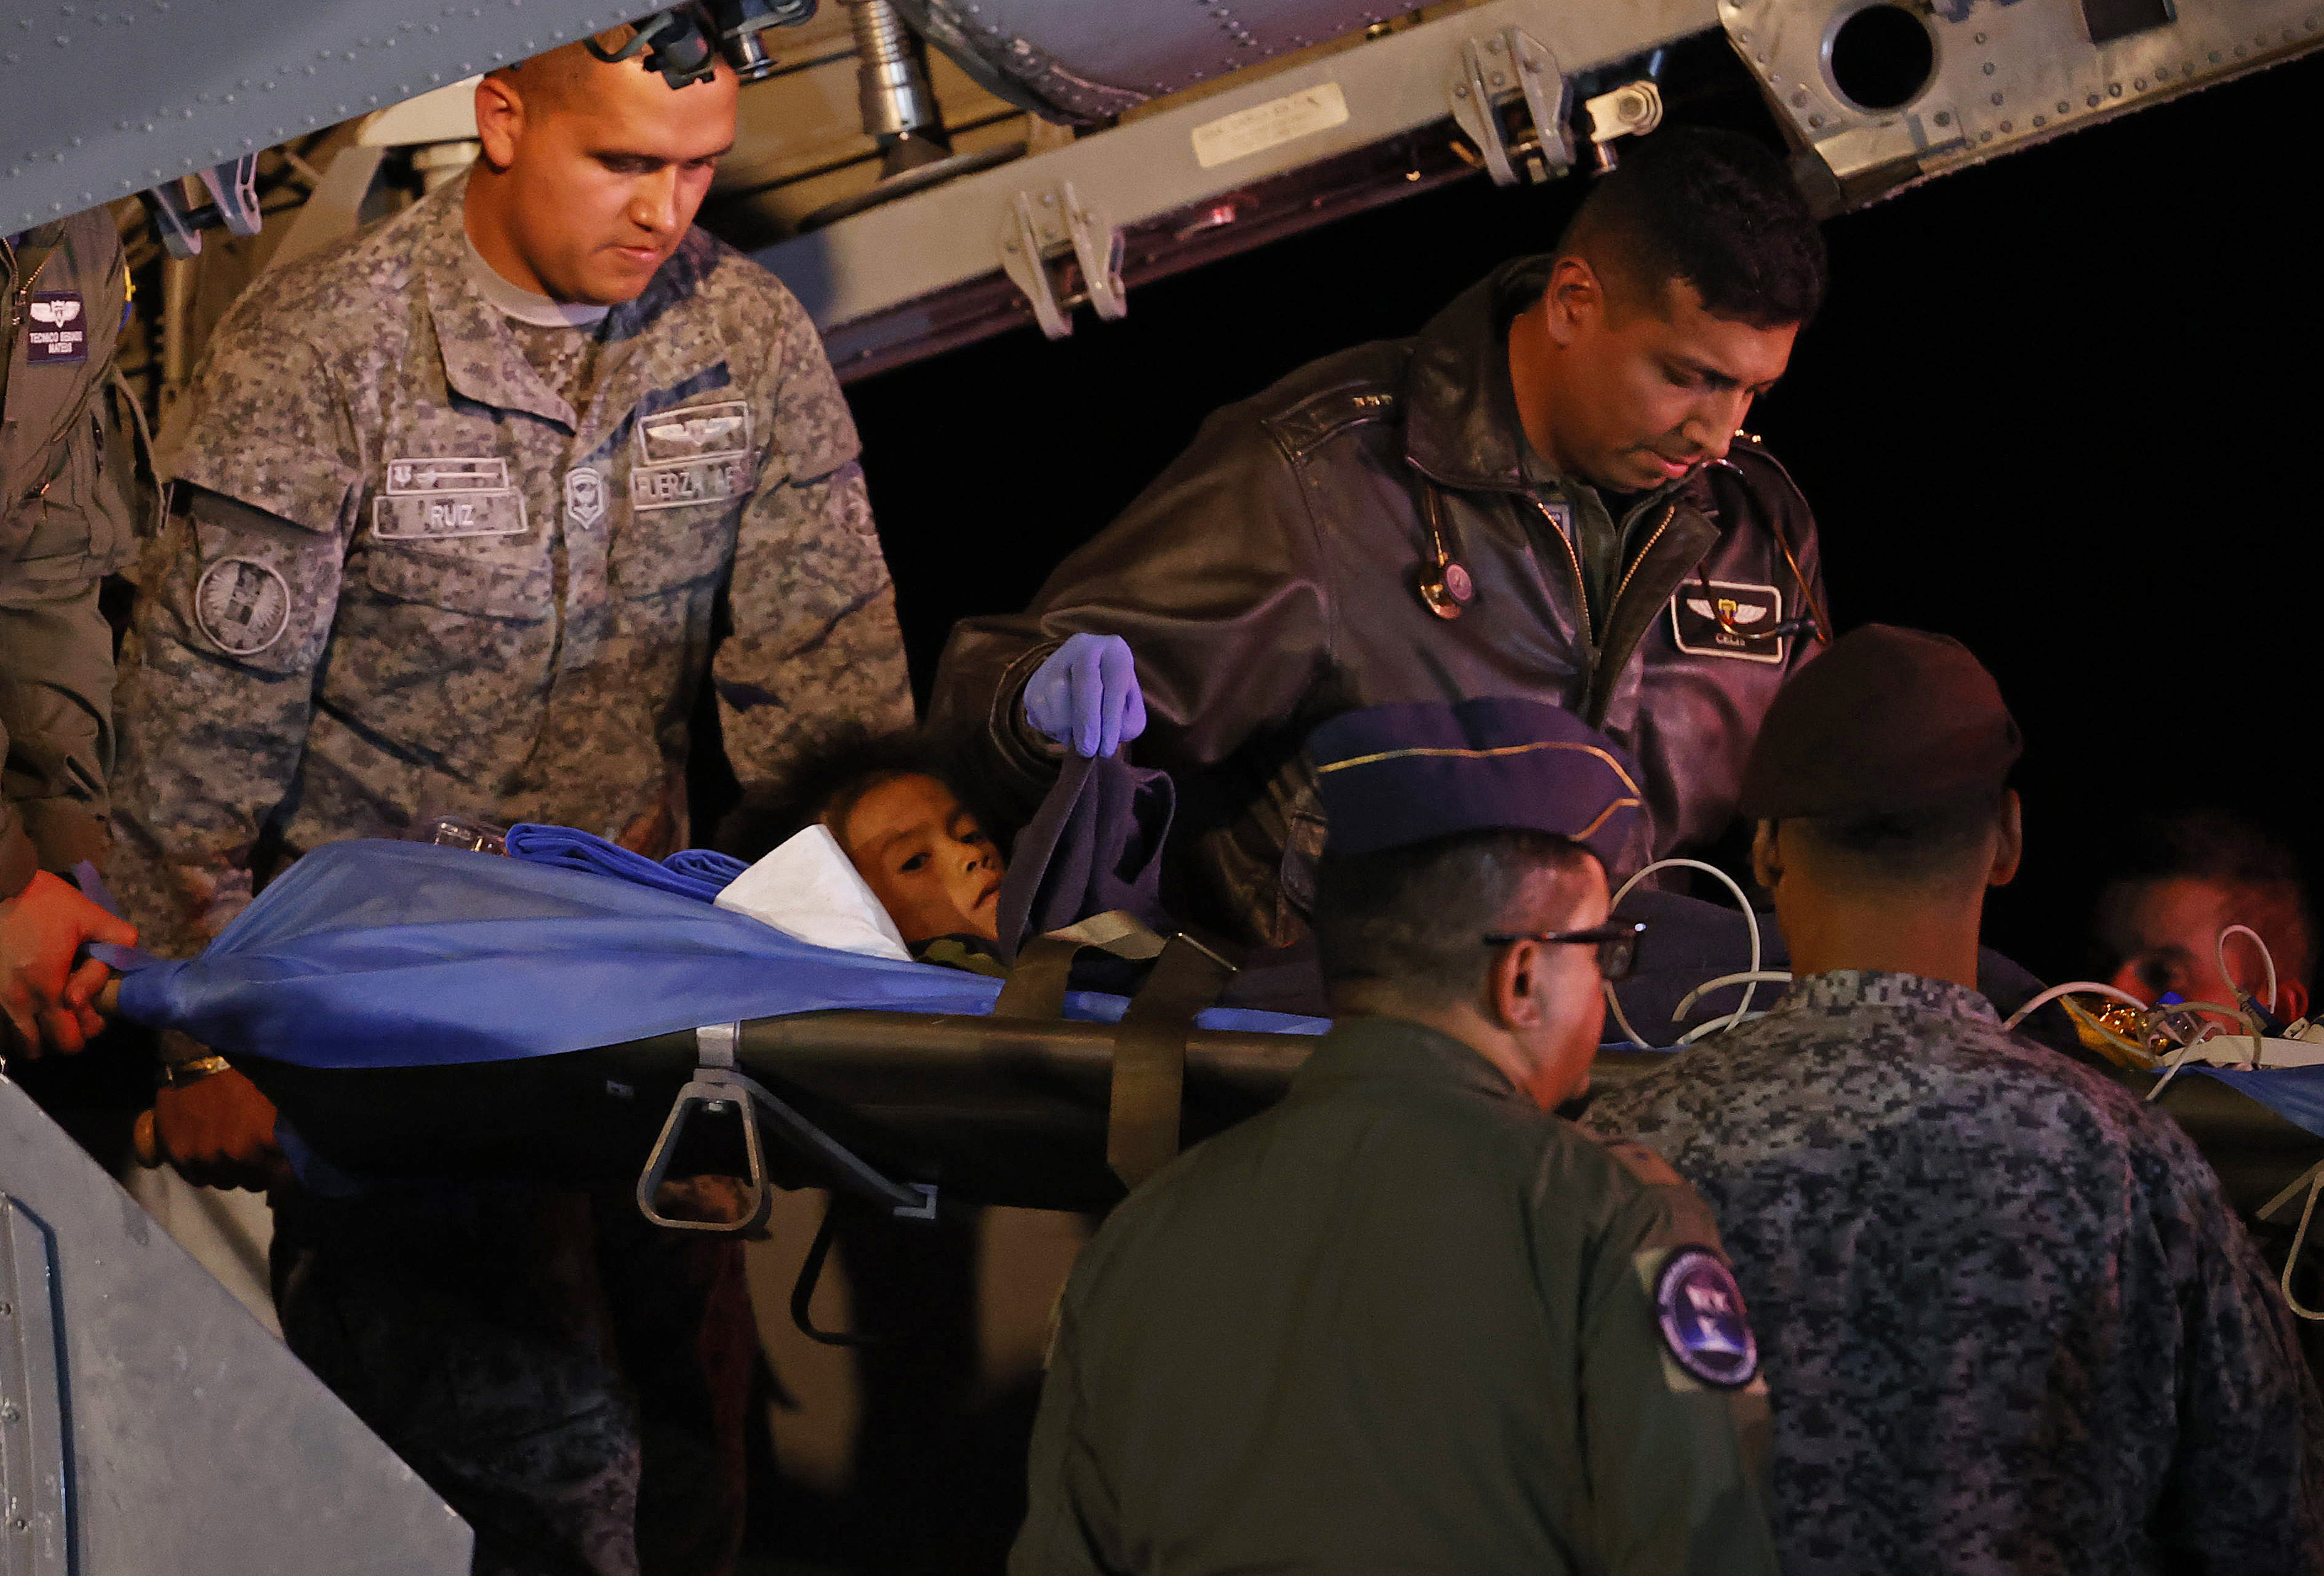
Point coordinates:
[[1581, 590], [1662, 525]]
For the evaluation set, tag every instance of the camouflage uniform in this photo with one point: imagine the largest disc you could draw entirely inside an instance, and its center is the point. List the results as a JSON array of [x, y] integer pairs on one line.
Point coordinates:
[[65, 524], [431, 559], [440, 586], [2009, 1323]]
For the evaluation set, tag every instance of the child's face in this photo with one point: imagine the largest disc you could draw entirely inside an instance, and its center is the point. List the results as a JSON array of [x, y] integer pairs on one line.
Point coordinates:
[[925, 859]]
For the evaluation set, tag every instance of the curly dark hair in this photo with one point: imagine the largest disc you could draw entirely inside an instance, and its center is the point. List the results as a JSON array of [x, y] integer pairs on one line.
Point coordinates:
[[825, 775], [1715, 209]]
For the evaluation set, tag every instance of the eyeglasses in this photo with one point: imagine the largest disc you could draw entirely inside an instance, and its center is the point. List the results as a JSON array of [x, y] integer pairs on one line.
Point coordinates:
[[1617, 942]]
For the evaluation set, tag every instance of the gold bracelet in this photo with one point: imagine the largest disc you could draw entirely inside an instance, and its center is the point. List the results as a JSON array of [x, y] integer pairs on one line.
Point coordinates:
[[186, 1075]]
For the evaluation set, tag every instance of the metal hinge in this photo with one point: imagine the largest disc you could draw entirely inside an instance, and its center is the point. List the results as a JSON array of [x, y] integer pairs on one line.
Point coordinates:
[[234, 203], [1038, 234], [1511, 99]]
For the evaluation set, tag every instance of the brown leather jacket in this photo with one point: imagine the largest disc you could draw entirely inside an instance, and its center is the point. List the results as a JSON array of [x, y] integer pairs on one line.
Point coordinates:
[[1268, 581]]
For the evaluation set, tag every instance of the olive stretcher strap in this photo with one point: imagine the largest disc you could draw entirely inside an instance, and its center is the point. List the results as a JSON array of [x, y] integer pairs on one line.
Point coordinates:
[[1149, 1048]]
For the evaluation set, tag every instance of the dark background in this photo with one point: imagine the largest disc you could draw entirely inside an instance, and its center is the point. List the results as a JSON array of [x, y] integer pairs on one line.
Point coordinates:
[[2063, 406]]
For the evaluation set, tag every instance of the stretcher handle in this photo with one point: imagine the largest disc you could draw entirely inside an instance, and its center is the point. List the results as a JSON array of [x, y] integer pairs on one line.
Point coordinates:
[[719, 1083], [715, 1092]]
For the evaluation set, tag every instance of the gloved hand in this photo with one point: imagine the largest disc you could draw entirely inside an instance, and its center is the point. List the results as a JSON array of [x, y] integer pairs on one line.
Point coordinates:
[[1085, 696], [46, 1000]]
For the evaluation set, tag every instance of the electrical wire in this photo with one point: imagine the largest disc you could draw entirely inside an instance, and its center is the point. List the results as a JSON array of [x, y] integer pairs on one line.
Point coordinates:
[[2299, 1241], [1757, 977], [2220, 955], [2178, 1060], [1749, 919], [2209, 1031], [2072, 987]]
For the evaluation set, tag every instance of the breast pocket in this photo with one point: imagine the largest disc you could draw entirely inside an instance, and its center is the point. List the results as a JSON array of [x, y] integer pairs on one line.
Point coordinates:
[[677, 547], [72, 525], [465, 552], [477, 583]]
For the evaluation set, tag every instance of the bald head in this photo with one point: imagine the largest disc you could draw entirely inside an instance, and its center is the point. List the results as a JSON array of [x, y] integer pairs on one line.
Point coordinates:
[[592, 172]]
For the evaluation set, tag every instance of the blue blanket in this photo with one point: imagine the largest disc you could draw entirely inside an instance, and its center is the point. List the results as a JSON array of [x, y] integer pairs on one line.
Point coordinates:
[[2294, 1093], [372, 953]]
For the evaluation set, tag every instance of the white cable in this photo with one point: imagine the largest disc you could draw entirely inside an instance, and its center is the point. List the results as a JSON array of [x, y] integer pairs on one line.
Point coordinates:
[[1614, 1005], [1749, 919], [1715, 1026], [2071, 987], [1755, 977], [2171, 1070], [2220, 955], [2299, 1240]]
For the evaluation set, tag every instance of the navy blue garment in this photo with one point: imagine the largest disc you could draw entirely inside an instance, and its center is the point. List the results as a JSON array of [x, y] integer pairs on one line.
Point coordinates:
[[691, 872], [376, 953]]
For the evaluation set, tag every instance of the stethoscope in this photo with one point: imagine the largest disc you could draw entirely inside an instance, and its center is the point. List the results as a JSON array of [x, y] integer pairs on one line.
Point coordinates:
[[1446, 588]]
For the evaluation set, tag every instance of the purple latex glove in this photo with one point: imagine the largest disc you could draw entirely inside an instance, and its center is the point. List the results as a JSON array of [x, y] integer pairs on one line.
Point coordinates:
[[1085, 696]]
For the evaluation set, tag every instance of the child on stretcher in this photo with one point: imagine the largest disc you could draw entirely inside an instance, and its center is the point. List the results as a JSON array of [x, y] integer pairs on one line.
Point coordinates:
[[885, 802]]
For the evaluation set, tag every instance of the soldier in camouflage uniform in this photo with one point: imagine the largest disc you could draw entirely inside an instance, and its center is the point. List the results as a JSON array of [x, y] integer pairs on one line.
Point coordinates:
[[465, 502], [2010, 1322], [65, 524]]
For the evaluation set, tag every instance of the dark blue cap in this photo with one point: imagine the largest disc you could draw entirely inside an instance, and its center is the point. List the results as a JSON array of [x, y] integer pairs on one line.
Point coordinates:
[[1395, 775]]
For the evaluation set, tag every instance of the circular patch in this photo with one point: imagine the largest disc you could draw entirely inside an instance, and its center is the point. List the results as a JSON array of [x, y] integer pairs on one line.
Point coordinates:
[[243, 605], [1701, 1309]]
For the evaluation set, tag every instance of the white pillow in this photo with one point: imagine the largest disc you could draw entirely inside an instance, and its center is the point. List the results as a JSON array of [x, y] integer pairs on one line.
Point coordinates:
[[809, 888]]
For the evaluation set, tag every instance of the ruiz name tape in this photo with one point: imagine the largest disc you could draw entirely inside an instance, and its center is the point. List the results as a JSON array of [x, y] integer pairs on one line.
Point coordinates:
[[437, 500]]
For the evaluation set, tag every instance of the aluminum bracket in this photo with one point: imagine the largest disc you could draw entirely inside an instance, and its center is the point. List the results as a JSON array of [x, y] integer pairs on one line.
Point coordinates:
[[1036, 236], [1498, 73]]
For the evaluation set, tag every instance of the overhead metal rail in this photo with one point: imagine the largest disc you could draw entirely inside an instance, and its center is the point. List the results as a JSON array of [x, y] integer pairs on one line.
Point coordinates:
[[101, 99], [1051, 222]]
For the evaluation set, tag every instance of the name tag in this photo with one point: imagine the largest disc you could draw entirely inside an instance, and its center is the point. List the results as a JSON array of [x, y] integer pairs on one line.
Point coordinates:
[[1725, 619], [423, 517], [708, 481], [56, 328], [440, 475], [693, 432]]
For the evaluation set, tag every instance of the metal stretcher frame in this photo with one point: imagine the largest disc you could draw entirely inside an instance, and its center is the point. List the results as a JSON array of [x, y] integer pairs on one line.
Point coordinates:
[[991, 1109]]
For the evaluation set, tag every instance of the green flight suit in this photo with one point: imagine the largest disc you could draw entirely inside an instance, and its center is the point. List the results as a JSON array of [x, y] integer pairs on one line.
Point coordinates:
[[1403, 1322], [65, 524]]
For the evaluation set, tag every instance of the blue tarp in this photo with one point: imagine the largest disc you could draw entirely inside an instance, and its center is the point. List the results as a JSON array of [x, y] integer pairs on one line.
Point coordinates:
[[2294, 1093], [373, 953]]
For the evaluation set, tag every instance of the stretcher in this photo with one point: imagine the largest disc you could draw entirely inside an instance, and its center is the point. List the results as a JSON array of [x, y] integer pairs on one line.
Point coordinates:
[[423, 1014]]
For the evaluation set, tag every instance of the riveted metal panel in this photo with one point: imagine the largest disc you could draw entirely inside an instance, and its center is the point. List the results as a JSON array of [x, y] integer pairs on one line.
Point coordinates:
[[2006, 76], [100, 98], [149, 1424]]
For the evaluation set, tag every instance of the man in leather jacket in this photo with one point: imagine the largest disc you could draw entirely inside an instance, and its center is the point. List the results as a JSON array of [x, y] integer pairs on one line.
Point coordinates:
[[1544, 494]]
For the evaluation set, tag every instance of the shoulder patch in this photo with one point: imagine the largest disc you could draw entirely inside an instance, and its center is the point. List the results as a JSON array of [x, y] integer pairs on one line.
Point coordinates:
[[1640, 1161], [1700, 1310], [243, 605]]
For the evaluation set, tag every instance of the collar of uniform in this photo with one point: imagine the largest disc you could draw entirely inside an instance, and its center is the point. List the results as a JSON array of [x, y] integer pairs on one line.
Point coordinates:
[[1454, 428], [1360, 1049], [1845, 989], [482, 361]]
